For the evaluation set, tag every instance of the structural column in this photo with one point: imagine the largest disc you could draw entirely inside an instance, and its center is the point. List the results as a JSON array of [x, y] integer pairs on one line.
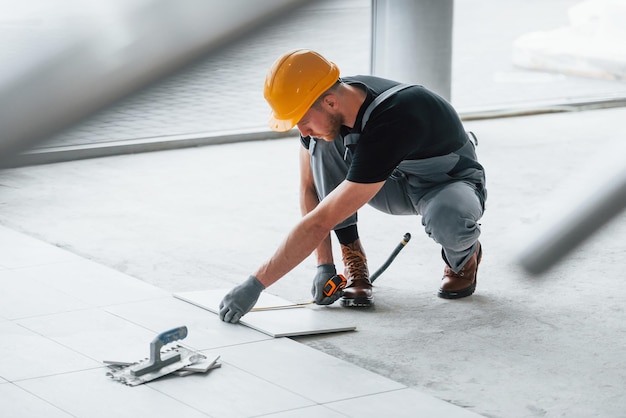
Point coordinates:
[[412, 42]]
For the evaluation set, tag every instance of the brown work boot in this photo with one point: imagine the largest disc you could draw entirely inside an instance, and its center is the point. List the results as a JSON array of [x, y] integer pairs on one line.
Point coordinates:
[[358, 291], [461, 284]]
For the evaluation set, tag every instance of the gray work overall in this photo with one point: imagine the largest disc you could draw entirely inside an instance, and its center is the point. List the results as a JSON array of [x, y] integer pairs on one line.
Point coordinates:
[[450, 206]]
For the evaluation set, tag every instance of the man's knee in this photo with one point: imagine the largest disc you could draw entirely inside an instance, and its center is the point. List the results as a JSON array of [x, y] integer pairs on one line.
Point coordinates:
[[451, 225]]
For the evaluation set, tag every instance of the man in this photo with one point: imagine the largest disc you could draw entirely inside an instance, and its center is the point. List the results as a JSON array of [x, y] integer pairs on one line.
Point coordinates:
[[400, 148]]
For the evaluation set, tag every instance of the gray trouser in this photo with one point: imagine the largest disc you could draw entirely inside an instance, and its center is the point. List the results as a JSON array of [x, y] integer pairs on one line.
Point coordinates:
[[450, 210]]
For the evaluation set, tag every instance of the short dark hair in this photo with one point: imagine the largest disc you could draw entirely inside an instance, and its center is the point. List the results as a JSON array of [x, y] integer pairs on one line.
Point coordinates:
[[318, 102]]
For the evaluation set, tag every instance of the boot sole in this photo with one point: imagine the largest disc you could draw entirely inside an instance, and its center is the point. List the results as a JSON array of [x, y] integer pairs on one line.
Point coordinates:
[[458, 294], [357, 302]]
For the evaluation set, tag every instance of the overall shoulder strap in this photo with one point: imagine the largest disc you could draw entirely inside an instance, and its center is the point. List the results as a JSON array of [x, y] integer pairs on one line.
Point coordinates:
[[352, 139], [379, 99]]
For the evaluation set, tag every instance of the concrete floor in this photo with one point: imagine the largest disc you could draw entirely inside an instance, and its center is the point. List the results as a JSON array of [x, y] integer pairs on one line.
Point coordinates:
[[204, 218]]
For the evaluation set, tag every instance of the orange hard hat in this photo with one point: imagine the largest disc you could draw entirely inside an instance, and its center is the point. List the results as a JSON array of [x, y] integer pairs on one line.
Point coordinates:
[[293, 83]]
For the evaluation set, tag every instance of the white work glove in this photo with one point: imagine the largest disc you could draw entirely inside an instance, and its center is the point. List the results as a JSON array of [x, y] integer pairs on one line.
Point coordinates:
[[240, 300], [324, 272]]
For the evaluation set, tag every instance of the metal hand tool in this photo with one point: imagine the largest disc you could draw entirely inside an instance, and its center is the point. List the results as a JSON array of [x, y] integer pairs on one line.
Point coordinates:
[[160, 363]]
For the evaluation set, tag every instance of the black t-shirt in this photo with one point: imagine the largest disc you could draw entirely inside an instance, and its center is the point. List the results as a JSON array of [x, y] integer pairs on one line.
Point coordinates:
[[413, 124]]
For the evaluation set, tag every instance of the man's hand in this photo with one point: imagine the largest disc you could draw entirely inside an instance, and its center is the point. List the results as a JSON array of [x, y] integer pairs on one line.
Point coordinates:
[[240, 300], [324, 272]]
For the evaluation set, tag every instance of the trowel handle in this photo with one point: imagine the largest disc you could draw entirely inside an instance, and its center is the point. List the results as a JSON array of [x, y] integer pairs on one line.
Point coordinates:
[[172, 335], [159, 341]]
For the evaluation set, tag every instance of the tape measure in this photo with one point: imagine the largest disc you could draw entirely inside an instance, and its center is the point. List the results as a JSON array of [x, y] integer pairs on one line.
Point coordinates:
[[334, 284]]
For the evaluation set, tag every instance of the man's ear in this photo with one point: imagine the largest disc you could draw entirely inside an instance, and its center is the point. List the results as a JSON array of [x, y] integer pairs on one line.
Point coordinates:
[[330, 100]]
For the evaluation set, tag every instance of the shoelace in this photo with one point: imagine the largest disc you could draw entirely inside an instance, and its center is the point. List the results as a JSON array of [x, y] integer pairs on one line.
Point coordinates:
[[450, 272], [355, 264]]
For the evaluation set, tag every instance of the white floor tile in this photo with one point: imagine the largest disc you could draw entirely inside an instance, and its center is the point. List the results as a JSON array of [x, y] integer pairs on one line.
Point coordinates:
[[407, 403], [92, 283], [305, 371], [276, 323], [17, 403], [205, 329], [61, 315], [20, 250], [92, 394], [26, 354], [24, 296], [317, 411], [94, 333], [229, 392]]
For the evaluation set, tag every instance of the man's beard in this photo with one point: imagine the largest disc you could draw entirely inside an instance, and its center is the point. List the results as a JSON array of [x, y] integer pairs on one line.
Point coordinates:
[[334, 127]]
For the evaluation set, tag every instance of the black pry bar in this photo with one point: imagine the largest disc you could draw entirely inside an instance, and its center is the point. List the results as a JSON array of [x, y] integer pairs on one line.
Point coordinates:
[[393, 255]]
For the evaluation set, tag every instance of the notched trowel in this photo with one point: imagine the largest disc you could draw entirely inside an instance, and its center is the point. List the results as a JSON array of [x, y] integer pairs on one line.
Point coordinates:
[[160, 363]]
